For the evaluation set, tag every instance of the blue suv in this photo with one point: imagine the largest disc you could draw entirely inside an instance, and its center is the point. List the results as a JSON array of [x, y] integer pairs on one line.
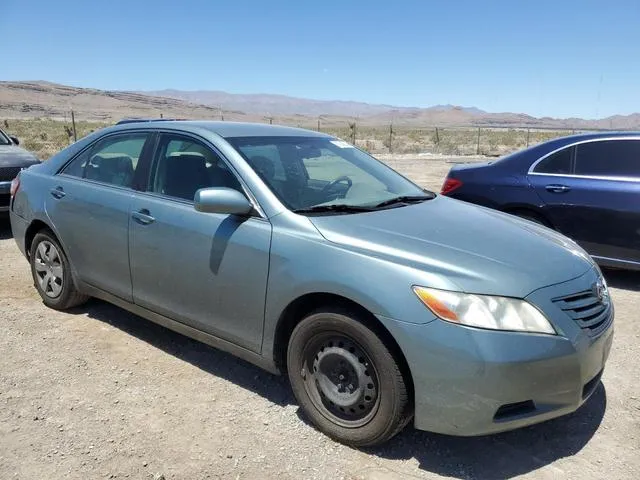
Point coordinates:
[[585, 186]]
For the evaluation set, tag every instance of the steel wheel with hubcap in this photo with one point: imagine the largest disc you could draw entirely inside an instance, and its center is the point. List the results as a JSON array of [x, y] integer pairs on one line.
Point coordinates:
[[52, 273], [341, 380], [347, 380]]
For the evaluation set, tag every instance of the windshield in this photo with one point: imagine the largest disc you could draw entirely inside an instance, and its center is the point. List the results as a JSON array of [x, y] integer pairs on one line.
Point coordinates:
[[307, 172], [4, 139]]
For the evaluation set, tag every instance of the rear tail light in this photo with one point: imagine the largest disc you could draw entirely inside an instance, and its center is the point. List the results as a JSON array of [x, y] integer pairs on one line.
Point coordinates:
[[15, 185], [449, 185]]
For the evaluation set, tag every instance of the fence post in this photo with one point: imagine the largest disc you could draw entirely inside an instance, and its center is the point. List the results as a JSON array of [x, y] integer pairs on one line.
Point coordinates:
[[73, 123], [161, 116], [528, 133], [318, 123], [270, 120], [478, 144], [390, 136], [437, 137]]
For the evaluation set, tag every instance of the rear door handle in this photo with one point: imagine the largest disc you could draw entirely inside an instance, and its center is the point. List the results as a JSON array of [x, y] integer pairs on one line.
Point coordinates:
[[57, 192], [557, 188], [143, 217]]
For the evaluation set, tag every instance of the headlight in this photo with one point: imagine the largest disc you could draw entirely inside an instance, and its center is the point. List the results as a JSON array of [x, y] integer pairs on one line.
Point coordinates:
[[484, 311]]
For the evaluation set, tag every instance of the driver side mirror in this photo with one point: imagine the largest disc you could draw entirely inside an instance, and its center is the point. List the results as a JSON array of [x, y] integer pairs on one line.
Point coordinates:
[[222, 200], [14, 139]]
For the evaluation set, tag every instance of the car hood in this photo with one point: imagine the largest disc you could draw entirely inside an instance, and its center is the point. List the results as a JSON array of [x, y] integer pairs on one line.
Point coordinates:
[[13, 156], [476, 249]]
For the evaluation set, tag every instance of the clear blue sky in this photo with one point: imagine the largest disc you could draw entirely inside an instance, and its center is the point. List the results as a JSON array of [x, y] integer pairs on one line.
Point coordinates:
[[557, 58]]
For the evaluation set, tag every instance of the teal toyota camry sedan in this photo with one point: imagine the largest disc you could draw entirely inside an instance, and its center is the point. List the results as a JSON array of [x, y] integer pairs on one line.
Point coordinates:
[[383, 302]]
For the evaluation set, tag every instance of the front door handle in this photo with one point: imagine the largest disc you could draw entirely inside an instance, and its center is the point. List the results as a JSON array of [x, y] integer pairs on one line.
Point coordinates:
[[557, 188], [57, 192], [143, 217]]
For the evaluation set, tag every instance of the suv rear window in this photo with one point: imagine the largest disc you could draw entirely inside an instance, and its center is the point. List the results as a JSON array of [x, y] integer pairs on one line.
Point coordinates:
[[609, 158], [558, 163]]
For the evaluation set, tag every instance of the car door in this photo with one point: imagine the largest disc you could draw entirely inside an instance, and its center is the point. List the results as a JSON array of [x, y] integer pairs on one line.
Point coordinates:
[[596, 203], [202, 269], [88, 205]]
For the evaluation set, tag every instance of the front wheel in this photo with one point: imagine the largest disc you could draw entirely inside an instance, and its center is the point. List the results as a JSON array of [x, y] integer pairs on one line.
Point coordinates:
[[346, 380], [52, 274]]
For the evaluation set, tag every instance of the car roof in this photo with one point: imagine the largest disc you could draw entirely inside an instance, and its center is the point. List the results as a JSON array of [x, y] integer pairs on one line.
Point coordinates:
[[595, 135], [224, 129], [138, 120]]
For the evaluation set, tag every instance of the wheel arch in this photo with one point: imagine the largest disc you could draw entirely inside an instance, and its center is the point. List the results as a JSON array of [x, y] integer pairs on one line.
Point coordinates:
[[32, 230], [37, 225], [299, 308]]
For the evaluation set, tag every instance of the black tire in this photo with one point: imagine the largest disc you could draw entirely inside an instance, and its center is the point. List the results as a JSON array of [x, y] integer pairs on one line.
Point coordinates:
[[59, 292], [328, 352]]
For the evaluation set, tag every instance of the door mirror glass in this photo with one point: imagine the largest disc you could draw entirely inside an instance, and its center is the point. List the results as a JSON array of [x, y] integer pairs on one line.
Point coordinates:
[[15, 140], [222, 200]]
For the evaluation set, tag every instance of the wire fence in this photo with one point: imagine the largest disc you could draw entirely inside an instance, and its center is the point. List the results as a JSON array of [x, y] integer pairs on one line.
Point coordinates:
[[46, 136], [449, 140]]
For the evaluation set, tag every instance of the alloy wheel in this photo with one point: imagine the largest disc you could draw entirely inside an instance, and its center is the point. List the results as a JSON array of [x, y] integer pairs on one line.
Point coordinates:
[[49, 269]]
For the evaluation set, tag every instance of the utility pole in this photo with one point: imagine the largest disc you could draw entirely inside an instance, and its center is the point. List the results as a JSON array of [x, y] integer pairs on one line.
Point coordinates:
[[73, 122]]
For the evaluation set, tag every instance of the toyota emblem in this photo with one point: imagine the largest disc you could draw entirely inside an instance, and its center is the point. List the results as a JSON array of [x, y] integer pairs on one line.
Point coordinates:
[[600, 291]]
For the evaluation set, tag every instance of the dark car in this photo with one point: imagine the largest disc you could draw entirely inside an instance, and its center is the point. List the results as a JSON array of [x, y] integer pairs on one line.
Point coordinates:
[[585, 186], [12, 160]]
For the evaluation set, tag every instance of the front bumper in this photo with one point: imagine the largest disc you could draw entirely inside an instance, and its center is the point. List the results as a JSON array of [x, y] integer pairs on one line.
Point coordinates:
[[469, 381]]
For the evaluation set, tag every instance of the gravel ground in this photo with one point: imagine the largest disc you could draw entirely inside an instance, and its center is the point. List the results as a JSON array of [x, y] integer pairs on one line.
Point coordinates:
[[100, 393]]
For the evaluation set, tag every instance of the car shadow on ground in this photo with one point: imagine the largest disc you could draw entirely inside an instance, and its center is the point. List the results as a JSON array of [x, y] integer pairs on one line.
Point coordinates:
[[623, 279], [503, 455], [492, 457], [211, 360]]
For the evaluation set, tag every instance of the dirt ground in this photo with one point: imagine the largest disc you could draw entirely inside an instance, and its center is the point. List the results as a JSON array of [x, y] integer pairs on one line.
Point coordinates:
[[101, 393]]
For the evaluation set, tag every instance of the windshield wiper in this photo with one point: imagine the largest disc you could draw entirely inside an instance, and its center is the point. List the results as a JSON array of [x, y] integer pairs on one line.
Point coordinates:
[[405, 199], [337, 207]]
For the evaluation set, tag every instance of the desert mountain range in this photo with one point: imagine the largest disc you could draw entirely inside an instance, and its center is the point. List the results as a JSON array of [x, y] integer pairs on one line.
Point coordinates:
[[25, 99]]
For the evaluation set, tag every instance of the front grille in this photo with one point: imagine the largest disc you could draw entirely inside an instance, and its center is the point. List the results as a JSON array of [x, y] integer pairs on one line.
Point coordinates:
[[9, 173], [588, 311], [5, 200]]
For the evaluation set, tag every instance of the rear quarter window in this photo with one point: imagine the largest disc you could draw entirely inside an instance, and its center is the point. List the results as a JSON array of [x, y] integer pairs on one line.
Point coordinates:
[[558, 163]]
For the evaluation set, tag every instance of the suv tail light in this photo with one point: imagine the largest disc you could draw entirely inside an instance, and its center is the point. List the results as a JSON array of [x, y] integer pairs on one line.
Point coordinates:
[[15, 185], [449, 185]]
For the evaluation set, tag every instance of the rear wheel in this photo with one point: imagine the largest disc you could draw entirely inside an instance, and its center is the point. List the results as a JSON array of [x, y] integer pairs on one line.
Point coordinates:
[[52, 274], [346, 379]]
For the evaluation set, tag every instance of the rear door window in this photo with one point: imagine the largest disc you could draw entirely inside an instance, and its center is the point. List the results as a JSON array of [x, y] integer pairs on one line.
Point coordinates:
[[558, 163], [609, 158], [112, 160]]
